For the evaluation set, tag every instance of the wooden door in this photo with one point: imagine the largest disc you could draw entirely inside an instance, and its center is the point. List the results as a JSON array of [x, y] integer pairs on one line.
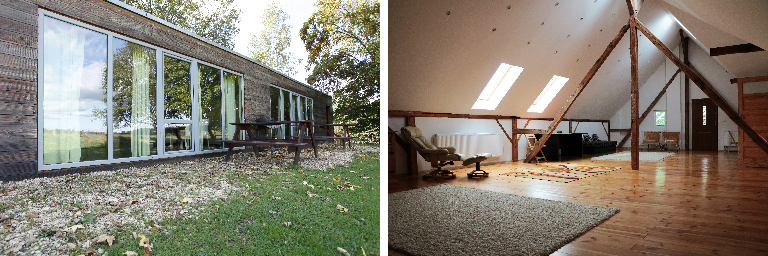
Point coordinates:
[[754, 109], [704, 128]]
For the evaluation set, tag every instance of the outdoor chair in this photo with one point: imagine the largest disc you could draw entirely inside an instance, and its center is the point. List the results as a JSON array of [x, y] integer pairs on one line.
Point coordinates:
[[651, 138], [671, 138], [734, 142], [441, 156]]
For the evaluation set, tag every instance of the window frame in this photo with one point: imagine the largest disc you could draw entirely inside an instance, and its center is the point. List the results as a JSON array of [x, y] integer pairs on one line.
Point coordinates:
[[160, 108]]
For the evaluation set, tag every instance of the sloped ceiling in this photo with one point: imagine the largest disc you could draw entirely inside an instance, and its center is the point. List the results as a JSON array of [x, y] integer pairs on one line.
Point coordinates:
[[724, 23], [442, 53]]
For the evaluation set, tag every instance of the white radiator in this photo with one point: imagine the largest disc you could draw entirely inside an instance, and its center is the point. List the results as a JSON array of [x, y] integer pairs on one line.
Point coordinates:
[[470, 144]]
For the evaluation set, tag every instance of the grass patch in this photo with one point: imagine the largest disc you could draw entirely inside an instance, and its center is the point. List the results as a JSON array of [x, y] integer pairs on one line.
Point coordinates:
[[252, 221]]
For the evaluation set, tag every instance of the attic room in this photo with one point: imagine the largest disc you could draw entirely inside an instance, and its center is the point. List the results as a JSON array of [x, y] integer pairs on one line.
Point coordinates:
[[578, 127]]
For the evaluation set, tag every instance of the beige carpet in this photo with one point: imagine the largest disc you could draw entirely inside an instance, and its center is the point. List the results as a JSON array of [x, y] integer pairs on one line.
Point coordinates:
[[454, 220]]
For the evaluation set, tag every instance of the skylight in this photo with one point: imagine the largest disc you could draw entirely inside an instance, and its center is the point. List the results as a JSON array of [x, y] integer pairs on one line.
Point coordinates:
[[497, 87], [549, 92]]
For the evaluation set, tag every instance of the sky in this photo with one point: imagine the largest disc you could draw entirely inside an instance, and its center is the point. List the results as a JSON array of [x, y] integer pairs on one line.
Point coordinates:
[[298, 10]]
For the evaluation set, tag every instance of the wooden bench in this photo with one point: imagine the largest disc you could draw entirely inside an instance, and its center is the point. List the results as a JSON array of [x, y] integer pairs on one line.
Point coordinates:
[[293, 146], [344, 138]]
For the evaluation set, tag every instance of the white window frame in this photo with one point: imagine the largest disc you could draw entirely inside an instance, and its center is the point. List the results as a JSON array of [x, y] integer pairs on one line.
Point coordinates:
[[160, 109]]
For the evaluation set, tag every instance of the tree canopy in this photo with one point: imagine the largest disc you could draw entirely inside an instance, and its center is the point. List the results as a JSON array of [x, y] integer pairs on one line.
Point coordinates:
[[218, 25], [342, 39], [270, 46]]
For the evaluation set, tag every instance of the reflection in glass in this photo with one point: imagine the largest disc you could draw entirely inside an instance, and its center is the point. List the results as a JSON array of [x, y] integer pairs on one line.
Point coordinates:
[[274, 96], [309, 110], [286, 112], [210, 107], [178, 137], [177, 89], [233, 109], [134, 81], [74, 93]]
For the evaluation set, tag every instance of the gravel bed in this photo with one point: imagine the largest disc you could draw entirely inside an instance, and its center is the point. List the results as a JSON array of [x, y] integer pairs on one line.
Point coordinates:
[[37, 216]]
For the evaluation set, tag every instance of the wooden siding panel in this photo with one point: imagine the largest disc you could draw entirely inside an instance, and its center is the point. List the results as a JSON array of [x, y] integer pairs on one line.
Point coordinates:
[[18, 62], [18, 27], [18, 50], [17, 73], [16, 108], [18, 156], [13, 37], [17, 168], [18, 15], [19, 145], [21, 5]]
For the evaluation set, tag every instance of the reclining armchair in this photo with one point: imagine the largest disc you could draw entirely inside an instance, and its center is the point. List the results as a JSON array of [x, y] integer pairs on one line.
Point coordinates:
[[441, 156]]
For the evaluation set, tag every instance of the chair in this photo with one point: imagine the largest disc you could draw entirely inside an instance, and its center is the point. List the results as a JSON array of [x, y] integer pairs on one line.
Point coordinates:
[[441, 156], [532, 140], [671, 138], [651, 138], [734, 142]]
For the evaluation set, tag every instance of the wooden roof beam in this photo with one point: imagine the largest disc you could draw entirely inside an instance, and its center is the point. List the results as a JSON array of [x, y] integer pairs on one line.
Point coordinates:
[[576, 93], [706, 87], [653, 104]]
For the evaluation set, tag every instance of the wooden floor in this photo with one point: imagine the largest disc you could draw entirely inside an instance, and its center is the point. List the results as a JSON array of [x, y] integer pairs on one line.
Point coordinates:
[[692, 203]]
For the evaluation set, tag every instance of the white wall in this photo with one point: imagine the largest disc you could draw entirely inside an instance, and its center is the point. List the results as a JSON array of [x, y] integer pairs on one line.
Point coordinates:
[[672, 100], [437, 125]]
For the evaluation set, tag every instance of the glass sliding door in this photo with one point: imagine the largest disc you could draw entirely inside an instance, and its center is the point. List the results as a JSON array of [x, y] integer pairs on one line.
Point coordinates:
[[177, 103], [210, 95], [134, 117], [233, 109], [74, 104]]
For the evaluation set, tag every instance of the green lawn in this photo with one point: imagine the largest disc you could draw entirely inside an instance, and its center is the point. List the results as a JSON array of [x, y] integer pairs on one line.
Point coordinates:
[[252, 222]]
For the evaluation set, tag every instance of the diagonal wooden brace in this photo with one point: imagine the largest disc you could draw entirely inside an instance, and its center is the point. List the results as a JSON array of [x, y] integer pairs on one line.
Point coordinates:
[[576, 93]]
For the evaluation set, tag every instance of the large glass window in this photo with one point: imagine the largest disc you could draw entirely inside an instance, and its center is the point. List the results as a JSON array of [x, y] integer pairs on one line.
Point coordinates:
[[288, 106], [105, 98], [74, 93], [134, 118], [178, 97], [210, 107], [232, 99]]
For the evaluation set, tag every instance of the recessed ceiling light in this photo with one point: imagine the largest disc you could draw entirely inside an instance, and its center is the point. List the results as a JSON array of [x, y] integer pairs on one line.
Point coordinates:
[[497, 87]]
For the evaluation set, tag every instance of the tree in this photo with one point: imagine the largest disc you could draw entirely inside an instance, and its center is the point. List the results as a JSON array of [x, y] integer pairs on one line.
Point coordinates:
[[270, 46], [342, 39], [218, 25]]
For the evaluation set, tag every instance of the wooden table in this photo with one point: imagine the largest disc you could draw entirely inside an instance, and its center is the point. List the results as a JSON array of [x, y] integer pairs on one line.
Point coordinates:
[[334, 136], [294, 145]]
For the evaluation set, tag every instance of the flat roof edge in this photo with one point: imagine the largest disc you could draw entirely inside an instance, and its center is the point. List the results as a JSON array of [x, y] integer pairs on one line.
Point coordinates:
[[192, 34]]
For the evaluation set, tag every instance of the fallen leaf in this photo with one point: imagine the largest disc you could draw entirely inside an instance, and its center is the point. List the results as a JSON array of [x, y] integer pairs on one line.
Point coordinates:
[[187, 200], [75, 228], [311, 195], [71, 246], [131, 253], [156, 227], [104, 238], [90, 251], [273, 212], [31, 215], [342, 208], [337, 179], [361, 248], [144, 242], [342, 251], [287, 224], [300, 171]]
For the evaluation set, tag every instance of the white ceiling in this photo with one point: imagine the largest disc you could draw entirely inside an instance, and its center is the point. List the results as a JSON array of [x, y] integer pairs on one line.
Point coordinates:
[[440, 62]]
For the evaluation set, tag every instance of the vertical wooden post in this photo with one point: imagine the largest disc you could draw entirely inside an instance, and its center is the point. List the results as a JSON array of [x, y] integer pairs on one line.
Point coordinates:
[[635, 154], [687, 93], [413, 166], [570, 126], [609, 130], [514, 143], [741, 132]]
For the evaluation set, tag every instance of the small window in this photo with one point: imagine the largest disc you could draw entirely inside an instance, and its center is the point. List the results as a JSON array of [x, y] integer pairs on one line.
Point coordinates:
[[704, 114], [661, 118], [549, 93], [497, 87]]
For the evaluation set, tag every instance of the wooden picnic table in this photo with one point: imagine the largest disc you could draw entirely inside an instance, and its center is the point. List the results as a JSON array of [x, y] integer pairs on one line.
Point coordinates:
[[294, 145], [345, 138]]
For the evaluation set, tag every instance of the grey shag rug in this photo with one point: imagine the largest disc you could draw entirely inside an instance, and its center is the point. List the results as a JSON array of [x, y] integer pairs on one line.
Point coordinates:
[[454, 220], [644, 156]]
